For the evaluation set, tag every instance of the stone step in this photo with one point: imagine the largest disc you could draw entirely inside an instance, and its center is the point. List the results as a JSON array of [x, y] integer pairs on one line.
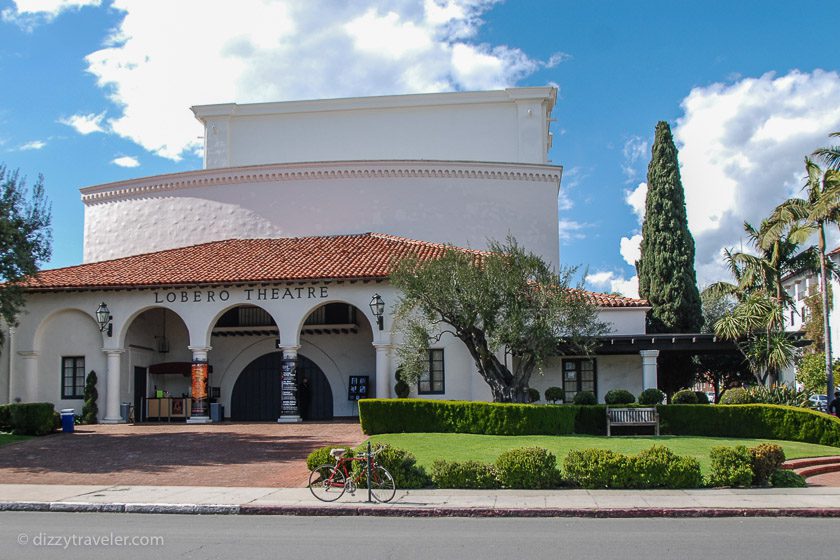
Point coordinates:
[[794, 464]]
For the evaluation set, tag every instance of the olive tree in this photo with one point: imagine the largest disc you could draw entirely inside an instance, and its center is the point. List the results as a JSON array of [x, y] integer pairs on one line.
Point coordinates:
[[503, 302]]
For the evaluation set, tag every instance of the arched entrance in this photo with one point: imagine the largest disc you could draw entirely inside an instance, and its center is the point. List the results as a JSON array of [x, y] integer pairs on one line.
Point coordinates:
[[256, 393]]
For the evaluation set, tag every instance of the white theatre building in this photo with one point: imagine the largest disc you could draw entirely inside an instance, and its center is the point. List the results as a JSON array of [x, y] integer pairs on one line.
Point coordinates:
[[264, 263]]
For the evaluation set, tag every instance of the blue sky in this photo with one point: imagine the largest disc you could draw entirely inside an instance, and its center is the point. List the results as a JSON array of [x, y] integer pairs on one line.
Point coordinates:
[[98, 91]]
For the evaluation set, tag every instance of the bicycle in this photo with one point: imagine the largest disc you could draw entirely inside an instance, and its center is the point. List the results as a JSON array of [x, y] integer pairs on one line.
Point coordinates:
[[329, 482]]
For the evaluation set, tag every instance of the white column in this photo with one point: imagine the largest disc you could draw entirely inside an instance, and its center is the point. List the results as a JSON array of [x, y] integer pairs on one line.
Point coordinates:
[[288, 389], [649, 368], [30, 377], [112, 390], [383, 370], [199, 382]]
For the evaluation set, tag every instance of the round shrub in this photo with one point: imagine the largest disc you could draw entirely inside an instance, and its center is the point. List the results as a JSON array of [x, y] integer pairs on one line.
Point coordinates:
[[659, 467], [702, 397], [731, 466], [321, 456], [597, 468], [585, 398], [619, 396], [533, 395], [651, 396], [402, 465], [402, 390], [736, 395], [469, 474], [554, 394], [767, 458], [685, 396], [527, 467], [783, 478]]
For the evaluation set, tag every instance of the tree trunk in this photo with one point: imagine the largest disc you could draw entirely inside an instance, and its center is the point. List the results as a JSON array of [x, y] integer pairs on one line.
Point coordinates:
[[829, 371]]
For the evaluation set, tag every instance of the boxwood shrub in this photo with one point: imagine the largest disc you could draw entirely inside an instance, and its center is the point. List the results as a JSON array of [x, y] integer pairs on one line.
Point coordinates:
[[5, 418], [684, 396], [619, 396], [321, 456], [384, 416], [731, 466], [759, 421], [527, 467], [596, 468], [468, 474], [787, 479], [651, 396], [657, 467], [32, 419]]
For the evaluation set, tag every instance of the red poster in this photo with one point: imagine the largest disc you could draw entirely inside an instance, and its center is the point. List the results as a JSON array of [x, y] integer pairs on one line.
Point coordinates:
[[199, 380]]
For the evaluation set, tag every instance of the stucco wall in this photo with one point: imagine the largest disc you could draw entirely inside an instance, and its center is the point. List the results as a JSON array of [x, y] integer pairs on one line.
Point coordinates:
[[464, 206], [612, 372]]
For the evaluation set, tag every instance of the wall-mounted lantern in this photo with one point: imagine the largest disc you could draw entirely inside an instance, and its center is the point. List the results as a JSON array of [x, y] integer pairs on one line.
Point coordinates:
[[103, 317], [377, 307]]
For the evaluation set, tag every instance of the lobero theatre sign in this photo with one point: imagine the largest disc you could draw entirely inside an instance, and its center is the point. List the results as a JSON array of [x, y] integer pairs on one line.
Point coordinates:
[[246, 294]]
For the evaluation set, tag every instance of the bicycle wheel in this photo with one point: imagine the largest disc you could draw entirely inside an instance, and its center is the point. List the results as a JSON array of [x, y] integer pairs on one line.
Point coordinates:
[[382, 484], [326, 483]]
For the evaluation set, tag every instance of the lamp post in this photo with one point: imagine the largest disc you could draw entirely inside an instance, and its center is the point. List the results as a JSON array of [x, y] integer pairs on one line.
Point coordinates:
[[377, 307], [103, 317]]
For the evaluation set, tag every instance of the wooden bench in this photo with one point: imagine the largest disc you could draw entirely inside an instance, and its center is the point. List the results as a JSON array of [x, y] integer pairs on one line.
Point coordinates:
[[632, 417]]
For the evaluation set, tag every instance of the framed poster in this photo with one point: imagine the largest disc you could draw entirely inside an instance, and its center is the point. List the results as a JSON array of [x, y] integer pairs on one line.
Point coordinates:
[[358, 388], [288, 388], [199, 389]]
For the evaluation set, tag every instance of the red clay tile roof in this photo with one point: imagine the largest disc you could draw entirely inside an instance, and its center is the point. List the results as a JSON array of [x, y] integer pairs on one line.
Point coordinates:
[[235, 261]]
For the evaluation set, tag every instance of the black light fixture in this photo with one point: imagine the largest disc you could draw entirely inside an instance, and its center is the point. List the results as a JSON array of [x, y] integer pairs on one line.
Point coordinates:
[[103, 317], [377, 307]]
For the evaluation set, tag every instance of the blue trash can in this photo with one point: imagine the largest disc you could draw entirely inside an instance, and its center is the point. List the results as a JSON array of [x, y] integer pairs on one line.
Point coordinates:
[[68, 420]]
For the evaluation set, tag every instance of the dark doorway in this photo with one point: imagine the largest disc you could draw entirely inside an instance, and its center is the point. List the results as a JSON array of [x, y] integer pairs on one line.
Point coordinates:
[[256, 393], [139, 392]]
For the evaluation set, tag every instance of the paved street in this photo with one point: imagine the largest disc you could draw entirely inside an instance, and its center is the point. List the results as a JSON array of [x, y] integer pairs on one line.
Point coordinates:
[[23, 535], [226, 454]]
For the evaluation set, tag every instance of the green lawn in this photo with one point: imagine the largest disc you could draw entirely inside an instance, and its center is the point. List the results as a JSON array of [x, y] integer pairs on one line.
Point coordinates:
[[462, 447], [9, 438]]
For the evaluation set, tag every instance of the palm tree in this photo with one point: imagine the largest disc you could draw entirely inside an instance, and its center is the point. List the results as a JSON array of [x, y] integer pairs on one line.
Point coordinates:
[[830, 154], [819, 208]]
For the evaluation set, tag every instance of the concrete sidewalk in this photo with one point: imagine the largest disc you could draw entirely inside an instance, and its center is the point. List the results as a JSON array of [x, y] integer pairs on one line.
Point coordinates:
[[806, 502]]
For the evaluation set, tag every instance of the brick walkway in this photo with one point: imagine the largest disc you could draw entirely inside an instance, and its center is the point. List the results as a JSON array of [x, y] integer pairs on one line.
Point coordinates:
[[229, 454]]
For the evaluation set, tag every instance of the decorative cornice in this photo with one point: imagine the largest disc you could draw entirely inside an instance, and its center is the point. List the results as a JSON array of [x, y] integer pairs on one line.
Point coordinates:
[[147, 186]]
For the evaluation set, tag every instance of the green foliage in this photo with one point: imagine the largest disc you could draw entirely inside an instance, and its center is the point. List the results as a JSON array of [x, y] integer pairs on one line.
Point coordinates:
[[533, 395], [783, 478], [657, 467], [767, 458], [811, 373], [731, 466], [666, 268], [403, 467], [684, 396], [736, 395], [760, 421], [585, 398], [25, 238], [469, 475], [527, 467], [32, 419], [591, 419], [90, 410], [321, 456], [651, 396], [382, 416], [5, 418], [555, 395], [619, 396], [702, 397], [597, 468], [505, 298], [402, 389]]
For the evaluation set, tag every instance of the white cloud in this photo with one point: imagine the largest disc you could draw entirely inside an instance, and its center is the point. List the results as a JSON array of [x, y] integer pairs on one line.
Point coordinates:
[[742, 147], [635, 149], [611, 282], [85, 124], [568, 230], [126, 161], [637, 199], [32, 145], [165, 56], [630, 248], [29, 13], [557, 58]]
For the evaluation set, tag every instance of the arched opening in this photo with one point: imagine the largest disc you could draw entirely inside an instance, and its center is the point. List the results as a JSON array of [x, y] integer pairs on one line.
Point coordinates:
[[256, 394]]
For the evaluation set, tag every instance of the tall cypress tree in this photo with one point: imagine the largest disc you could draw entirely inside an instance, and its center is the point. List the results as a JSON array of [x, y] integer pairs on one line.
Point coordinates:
[[666, 268]]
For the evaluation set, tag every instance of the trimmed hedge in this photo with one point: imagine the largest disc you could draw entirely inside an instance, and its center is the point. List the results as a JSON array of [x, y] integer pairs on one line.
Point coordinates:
[[386, 416], [759, 421], [5, 418], [657, 467], [467, 474], [32, 419]]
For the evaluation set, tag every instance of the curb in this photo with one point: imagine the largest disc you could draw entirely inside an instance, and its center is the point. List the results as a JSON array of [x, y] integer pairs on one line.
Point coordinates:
[[397, 511]]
